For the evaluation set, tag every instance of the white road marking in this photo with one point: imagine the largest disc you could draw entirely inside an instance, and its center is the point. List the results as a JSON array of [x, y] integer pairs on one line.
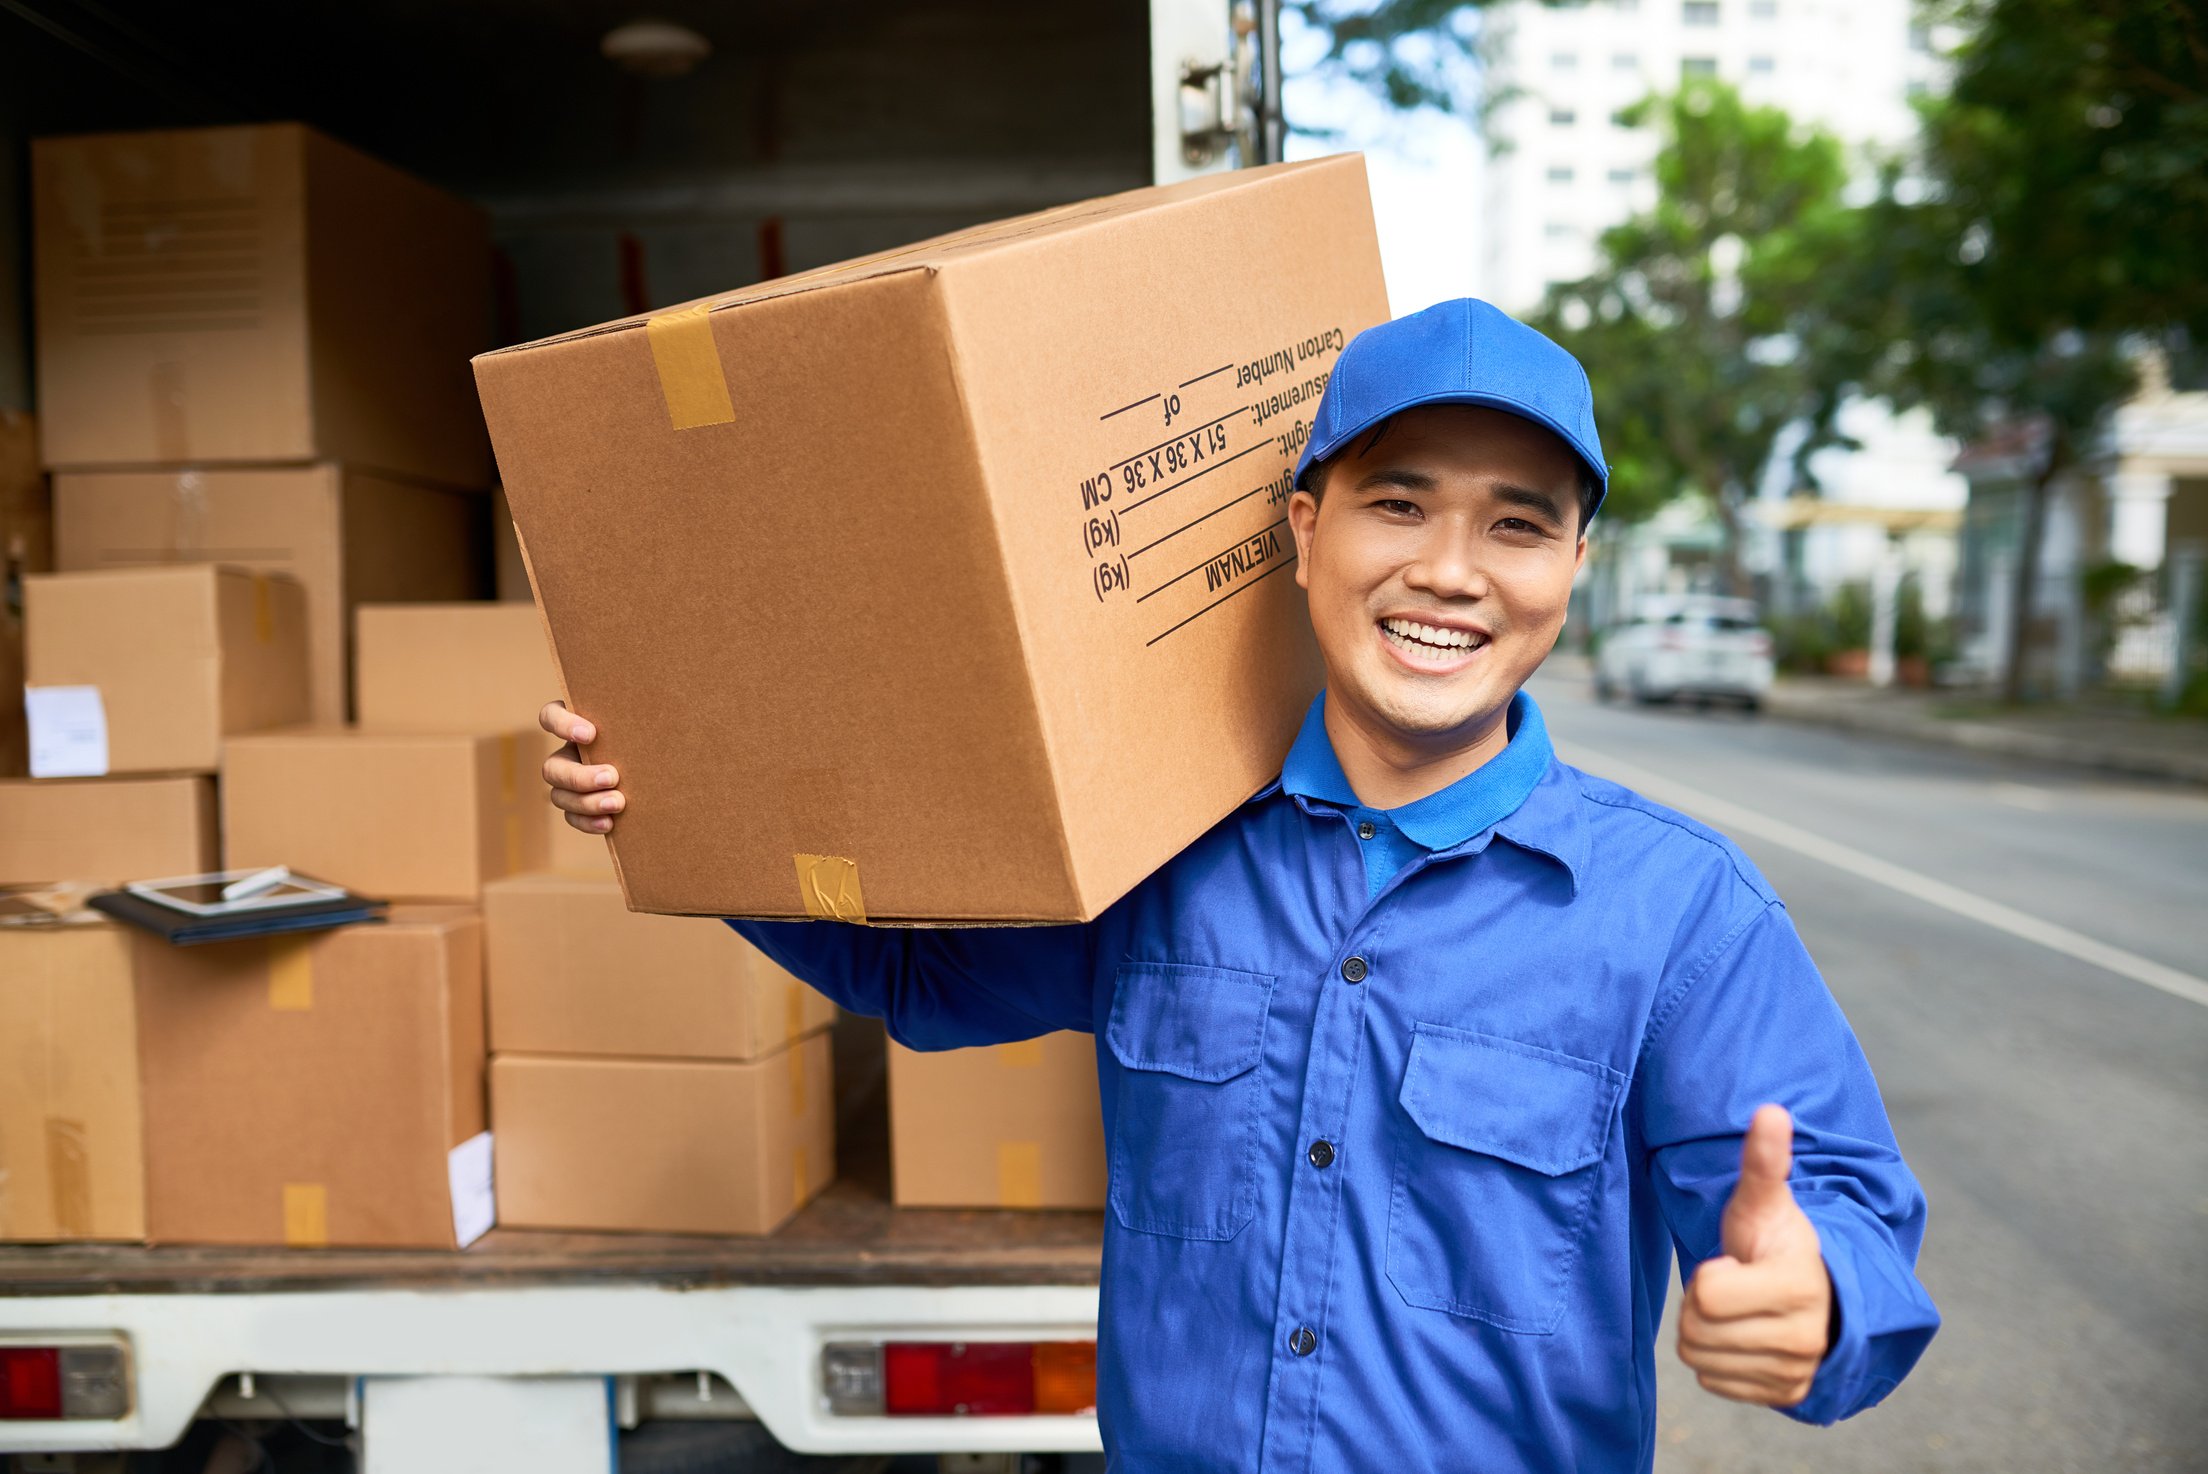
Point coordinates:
[[1738, 819]]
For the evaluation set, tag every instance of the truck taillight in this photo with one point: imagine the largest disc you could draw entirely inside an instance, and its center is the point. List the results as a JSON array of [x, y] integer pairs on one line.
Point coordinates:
[[919, 1379], [51, 1383], [1759, 643], [1671, 640]]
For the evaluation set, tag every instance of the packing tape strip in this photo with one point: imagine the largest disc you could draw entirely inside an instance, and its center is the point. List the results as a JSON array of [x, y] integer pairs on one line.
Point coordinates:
[[69, 1177], [830, 886], [264, 610], [800, 1176], [513, 844], [793, 1020], [689, 364], [797, 1080], [306, 1215], [1019, 1174], [1023, 1054], [290, 974]]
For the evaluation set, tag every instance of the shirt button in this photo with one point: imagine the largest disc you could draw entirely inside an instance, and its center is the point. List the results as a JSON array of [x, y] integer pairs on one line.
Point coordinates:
[[1353, 970], [1321, 1154], [1303, 1341], [1365, 830]]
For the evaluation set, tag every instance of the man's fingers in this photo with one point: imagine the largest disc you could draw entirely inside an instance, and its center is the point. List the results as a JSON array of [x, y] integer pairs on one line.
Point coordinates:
[[1774, 1370], [590, 824], [610, 801], [565, 725], [1761, 1393], [562, 771], [1796, 1336], [1726, 1289]]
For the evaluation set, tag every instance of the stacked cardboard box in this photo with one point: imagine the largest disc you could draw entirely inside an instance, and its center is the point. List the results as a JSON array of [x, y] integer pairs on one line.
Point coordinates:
[[648, 1072], [1009, 1126], [252, 349], [26, 547]]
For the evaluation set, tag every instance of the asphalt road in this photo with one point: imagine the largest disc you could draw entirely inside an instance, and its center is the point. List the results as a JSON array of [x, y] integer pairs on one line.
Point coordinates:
[[2055, 1108]]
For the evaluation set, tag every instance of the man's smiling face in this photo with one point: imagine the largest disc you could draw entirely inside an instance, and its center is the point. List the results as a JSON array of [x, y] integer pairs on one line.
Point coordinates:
[[1439, 558]]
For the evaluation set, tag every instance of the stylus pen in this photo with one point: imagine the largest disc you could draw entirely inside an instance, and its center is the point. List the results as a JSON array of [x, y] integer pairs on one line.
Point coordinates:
[[256, 883]]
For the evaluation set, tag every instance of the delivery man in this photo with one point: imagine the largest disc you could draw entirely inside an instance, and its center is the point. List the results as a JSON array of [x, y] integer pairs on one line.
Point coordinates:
[[1418, 1067]]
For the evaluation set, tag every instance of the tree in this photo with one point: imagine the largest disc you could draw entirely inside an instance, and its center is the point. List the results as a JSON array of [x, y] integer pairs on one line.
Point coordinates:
[[1697, 325], [2050, 228]]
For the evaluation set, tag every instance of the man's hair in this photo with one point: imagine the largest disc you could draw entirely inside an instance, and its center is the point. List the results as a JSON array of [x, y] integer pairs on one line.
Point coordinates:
[[1314, 475]]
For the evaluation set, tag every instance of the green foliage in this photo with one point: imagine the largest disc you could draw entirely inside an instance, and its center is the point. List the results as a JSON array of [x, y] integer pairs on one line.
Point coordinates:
[[2102, 584], [1912, 630], [1401, 50], [1693, 323], [1850, 614], [1800, 642]]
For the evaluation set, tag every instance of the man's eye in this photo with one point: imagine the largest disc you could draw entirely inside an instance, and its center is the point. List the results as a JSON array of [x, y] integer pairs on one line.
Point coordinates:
[[1518, 524], [1397, 506]]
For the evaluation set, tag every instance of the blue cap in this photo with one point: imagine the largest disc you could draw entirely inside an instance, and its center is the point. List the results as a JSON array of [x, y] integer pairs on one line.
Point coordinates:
[[1461, 352]]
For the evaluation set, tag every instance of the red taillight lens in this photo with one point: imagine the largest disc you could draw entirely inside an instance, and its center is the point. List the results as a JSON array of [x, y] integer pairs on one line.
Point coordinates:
[[1671, 640], [987, 1378], [1759, 643], [30, 1382]]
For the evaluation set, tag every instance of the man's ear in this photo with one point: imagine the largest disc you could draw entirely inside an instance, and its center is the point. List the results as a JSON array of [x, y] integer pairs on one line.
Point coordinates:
[[1303, 522]]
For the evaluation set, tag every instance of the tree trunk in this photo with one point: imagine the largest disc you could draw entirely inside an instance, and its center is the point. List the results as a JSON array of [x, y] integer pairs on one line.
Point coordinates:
[[2027, 569]]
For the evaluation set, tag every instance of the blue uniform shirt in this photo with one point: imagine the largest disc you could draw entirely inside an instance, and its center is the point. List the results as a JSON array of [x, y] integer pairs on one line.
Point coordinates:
[[1398, 1171]]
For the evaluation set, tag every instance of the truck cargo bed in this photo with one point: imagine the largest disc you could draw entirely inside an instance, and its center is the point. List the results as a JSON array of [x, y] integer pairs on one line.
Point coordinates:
[[851, 1235]]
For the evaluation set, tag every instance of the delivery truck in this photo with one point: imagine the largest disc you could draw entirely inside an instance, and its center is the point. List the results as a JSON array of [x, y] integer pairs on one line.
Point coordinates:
[[623, 164]]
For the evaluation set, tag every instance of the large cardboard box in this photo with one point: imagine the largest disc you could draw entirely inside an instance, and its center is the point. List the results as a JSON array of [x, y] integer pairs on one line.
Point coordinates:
[[313, 1090], [105, 830], [401, 816], [178, 659], [254, 294], [71, 1163], [1008, 1126], [468, 667], [571, 970], [662, 1146], [950, 584], [350, 536]]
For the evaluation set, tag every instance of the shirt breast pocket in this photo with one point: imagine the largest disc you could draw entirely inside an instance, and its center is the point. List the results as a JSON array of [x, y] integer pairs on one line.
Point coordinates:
[[1185, 1137], [1500, 1148]]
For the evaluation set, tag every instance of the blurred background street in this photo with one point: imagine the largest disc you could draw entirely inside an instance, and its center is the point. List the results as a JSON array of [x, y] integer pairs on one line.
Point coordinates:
[[2057, 1112]]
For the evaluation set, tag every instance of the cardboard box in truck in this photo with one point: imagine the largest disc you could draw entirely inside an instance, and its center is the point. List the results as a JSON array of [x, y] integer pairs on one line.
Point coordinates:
[[1007, 1126], [469, 667], [662, 1145], [573, 971], [71, 1163], [400, 816], [147, 670], [951, 584], [254, 294], [318, 1089], [105, 830], [349, 536]]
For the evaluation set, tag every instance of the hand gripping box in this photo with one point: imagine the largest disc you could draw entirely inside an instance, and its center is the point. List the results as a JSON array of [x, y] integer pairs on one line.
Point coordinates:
[[951, 584]]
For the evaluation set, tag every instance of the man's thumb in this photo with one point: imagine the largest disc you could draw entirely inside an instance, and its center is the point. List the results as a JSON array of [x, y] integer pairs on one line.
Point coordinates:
[[1762, 1198]]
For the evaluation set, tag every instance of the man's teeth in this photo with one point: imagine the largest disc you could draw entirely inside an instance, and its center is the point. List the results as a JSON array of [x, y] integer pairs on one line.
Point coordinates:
[[1410, 631]]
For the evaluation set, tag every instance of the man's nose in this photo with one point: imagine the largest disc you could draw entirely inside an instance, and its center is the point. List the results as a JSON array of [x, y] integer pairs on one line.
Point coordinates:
[[1448, 564]]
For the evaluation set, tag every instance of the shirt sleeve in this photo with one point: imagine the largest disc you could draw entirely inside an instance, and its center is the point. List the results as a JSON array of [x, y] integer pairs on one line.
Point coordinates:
[[943, 989], [1755, 1024]]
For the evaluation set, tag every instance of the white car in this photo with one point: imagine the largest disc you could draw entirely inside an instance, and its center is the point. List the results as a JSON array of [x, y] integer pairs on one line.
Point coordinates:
[[1698, 646]]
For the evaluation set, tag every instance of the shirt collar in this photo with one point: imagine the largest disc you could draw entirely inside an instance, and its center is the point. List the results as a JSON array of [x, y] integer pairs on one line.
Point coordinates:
[[1521, 793]]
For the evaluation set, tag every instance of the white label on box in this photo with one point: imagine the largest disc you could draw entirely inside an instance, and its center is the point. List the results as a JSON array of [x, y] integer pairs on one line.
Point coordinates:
[[68, 730], [474, 1208]]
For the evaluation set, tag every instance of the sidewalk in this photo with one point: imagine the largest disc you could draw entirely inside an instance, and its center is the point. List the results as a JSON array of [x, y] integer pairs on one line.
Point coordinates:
[[2105, 738]]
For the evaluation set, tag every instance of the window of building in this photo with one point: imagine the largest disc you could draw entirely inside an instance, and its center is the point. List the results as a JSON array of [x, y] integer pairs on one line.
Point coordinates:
[[1626, 6], [1621, 176], [1920, 38], [1699, 12], [1917, 88], [1562, 117], [1761, 66], [1557, 230], [1624, 61], [1560, 173], [1565, 61], [1763, 9], [1622, 118], [1691, 67]]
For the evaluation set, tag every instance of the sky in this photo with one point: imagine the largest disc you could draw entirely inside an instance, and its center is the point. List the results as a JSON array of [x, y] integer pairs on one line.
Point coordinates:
[[1424, 170]]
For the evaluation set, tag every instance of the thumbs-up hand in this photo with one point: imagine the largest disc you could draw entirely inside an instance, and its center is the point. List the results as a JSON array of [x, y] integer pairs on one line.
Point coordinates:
[[1756, 1320]]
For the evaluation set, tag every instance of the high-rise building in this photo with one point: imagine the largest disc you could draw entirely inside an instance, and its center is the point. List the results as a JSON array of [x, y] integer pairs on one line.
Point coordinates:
[[1563, 168]]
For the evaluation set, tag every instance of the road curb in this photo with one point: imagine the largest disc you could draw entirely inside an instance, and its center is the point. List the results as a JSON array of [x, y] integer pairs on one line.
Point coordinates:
[[1985, 737]]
